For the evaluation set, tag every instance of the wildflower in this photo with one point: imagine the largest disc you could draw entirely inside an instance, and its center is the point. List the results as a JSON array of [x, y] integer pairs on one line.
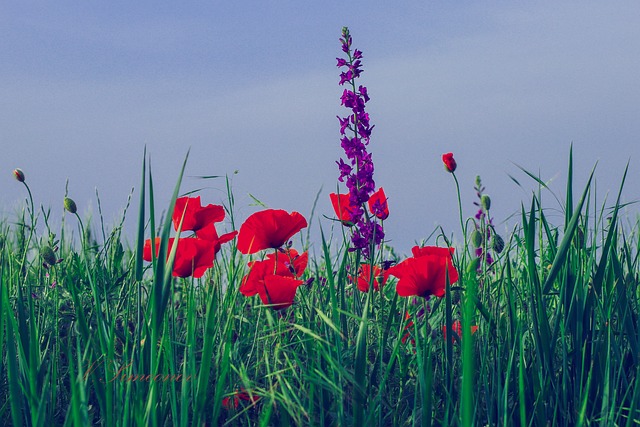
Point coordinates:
[[210, 234], [193, 255], [288, 264], [18, 174], [449, 162], [367, 275], [456, 327], [70, 205], [358, 170], [343, 208], [270, 228], [279, 291], [193, 215], [407, 328], [233, 401], [425, 273], [378, 204]]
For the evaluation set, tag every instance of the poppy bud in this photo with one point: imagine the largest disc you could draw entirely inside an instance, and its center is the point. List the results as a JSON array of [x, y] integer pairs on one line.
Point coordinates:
[[18, 174], [498, 243], [47, 254], [70, 205], [486, 202], [476, 238], [473, 265], [449, 163]]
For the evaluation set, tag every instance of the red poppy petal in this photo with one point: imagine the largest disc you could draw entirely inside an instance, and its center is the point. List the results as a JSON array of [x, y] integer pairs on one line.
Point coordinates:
[[279, 291], [270, 228]]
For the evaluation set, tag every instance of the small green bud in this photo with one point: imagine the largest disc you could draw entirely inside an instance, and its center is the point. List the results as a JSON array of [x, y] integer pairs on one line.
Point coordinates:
[[70, 205], [48, 255], [473, 266], [476, 238], [18, 174], [486, 202], [498, 243]]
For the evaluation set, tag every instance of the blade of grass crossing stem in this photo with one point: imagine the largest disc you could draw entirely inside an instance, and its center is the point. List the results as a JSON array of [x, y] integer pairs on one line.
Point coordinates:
[[448, 342], [141, 219], [359, 395], [160, 291], [207, 354], [568, 206], [600, 272], [542, 332], [468, 354], [561, 255], [425, 375], [15, 394]]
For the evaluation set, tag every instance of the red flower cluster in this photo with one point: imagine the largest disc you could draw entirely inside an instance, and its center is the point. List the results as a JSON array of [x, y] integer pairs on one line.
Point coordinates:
[[233, 401], [346, 212], [194, 255], [366, 275], [276, 278], [407, 328], [456, 327], [425, 273]]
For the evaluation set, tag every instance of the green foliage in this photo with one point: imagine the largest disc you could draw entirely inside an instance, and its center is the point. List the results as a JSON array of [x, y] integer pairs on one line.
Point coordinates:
[[97, 336]]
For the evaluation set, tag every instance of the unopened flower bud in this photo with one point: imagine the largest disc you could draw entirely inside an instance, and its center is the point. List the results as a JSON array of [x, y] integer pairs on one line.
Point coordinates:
[[48, 256], [449, 163], [498, 243], [486, 202], [476, 238], [70, 205], [473, 265], [18, 174]]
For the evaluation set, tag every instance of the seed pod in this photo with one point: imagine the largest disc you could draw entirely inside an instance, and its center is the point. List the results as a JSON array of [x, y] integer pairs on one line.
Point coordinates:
[[498, 243], [47, 254], [476, 238], [486, 202], [70, 205]]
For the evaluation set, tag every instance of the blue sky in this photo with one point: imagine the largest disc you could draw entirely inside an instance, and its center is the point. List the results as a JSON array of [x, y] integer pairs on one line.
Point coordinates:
[[252, 87]]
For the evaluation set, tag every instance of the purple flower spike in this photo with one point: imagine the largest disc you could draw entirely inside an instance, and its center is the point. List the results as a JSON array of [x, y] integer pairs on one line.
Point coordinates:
[[358, 170]]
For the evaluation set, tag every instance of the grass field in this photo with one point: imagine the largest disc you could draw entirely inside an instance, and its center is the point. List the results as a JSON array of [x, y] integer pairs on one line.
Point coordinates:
[[537, 327]]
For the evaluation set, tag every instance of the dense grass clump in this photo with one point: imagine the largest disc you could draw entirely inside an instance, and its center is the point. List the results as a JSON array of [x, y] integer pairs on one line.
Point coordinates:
[[546, 333]]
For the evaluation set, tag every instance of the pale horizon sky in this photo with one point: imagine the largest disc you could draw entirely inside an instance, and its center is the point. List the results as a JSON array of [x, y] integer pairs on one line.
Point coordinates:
[[253, 88]]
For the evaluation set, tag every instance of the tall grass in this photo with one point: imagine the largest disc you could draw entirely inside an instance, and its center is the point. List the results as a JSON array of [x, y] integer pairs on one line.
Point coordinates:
[[117, 341]]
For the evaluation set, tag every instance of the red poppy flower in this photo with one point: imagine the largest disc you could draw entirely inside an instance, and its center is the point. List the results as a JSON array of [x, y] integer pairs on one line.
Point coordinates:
[[449, 163], [425, 273], [364, 277], [278, 291], [406, 328], [193, 256], [233, 401], [456, 327], [288, 265], [378, 204], [195, 215], [210, 234], [270, 228], [343, 208]]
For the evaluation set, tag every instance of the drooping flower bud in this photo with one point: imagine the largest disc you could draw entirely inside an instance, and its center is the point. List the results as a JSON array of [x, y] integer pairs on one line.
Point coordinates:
[[498, 243], [70, 205], [449, 163], [486, 202], [48, 256], [476, 238], [18, 174]]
